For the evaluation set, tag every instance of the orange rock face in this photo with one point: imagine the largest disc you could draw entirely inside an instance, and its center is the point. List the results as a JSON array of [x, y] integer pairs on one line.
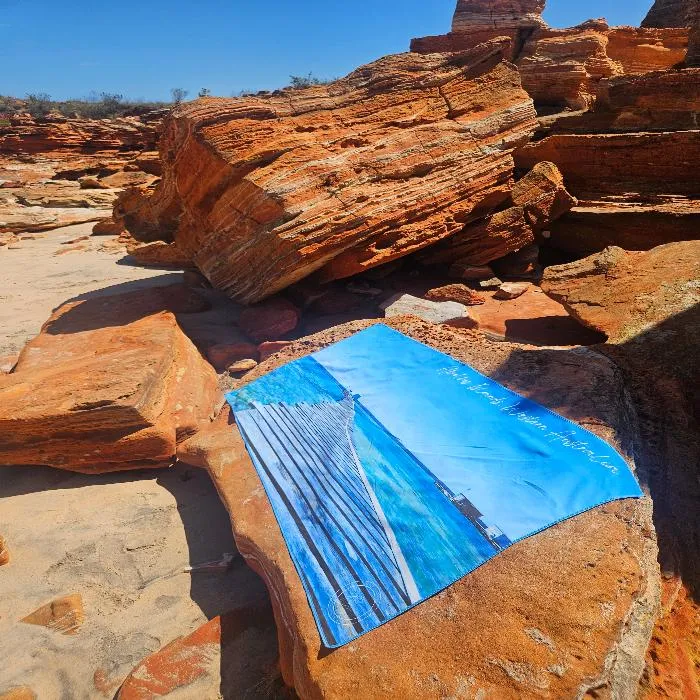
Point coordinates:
[[648, 303], [617, 164], [538, 198], [220, 659], [109, 384], [622, 294], [340, 178], [497, 14], [553, 613], [27, 135], [560, 67]]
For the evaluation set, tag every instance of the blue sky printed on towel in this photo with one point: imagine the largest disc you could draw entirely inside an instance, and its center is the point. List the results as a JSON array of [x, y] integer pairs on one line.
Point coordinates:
[[394, 470]]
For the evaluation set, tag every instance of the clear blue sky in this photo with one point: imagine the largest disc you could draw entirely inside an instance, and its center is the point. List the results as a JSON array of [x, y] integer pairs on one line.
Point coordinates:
[[142, 48]]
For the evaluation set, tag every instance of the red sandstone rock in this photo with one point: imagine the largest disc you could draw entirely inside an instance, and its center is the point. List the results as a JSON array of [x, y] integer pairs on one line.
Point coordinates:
[[222, 355], [633, 226], [4, 552], [622, 294], [477, 244], [542, 195], [220, 659], [560, 67], [26, 135], [497, 14], [455, 292], [159, 255], [109, 384], [648, 305], [617, 164], [549, 586], [539, 198], [65, 615], [532, 318], [675, 646], [269, 320], [340, 178]]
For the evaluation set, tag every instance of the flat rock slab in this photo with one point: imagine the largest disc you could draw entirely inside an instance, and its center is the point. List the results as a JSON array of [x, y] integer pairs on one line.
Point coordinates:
[[532, 318], [562, 612], [111, 383], [432, 311]]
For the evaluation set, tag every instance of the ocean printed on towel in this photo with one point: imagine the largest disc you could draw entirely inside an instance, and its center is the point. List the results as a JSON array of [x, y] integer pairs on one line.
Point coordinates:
[[394, 470]]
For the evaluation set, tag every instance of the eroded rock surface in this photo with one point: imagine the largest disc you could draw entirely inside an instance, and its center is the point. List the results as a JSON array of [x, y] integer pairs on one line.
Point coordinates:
[[340, 178], [231, 656], [111, 383], [560, 68], [574, 605], [648, 304]]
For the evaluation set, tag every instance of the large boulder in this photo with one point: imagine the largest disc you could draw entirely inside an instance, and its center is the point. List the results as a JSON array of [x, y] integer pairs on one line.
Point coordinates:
[[624, 294], [263, 191], [559, 614], [110, 384], [648, 304]]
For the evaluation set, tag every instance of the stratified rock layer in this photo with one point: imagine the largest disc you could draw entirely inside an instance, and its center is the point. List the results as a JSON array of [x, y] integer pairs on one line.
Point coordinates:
[[560, 68], [538, 199], [26, 135], [109, 384], [497, 14], [335, 179], [567, 610]]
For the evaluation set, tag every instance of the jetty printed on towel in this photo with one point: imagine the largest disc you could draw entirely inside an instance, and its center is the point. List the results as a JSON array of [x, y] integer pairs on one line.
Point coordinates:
[[394, 470]]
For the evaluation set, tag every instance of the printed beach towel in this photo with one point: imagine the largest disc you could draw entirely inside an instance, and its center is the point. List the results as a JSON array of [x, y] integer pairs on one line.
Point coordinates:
[[394, 470]]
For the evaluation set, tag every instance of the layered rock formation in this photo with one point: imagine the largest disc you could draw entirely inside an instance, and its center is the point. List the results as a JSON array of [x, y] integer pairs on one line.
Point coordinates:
[[26, 135], [110, 384], [560, 68], [340, 178], [536, 201], [537, 607], [633, 163], [497, 14]]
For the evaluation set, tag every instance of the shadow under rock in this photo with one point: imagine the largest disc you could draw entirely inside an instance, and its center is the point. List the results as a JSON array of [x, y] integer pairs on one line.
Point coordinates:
[[249, 665]]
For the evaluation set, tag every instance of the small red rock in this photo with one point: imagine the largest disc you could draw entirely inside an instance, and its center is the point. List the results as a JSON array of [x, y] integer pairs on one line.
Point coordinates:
[[242, 366], [223, 355], [455, 292], [270, 320]]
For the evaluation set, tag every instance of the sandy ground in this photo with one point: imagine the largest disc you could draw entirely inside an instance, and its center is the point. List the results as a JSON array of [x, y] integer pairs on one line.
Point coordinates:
[[34, 279], [121, 541]]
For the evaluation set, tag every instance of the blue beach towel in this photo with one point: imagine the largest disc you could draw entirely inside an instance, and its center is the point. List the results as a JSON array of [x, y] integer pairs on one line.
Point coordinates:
[[394, 470]]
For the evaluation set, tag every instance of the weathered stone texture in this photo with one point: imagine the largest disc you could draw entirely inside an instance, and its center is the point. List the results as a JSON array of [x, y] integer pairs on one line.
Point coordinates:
[[263, 191]]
